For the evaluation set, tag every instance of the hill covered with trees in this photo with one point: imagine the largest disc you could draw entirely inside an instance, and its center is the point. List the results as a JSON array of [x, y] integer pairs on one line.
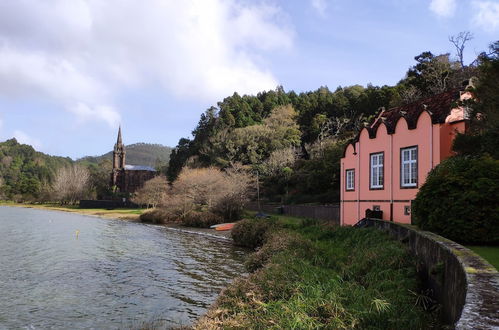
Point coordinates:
[[25, 172], [295, 140], [137, 154], [29, 175]]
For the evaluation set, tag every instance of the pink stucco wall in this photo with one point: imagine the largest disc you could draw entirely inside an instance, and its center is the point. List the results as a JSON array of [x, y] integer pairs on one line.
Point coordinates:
[[433, 143]]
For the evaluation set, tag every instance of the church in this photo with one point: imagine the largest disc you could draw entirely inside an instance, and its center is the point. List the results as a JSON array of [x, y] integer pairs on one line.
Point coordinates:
[[127, 178]]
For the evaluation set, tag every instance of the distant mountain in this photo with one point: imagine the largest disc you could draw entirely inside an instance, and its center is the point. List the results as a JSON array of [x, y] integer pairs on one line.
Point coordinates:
[[137, 154]]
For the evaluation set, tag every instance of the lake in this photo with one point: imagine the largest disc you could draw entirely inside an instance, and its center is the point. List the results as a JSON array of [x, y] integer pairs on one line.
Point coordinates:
[[64, 270]]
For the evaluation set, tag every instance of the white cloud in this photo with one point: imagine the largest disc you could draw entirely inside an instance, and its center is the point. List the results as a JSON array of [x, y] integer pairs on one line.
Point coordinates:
[[24, 138], [320, 6], [83, 54], [486, 15], [443, 8]]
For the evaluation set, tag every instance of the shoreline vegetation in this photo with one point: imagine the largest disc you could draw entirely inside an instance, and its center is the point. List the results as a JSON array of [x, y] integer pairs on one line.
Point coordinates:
[[306, 275]]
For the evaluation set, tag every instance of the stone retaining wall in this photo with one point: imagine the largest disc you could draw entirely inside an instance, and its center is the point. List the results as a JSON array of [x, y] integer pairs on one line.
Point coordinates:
[[466, 286]]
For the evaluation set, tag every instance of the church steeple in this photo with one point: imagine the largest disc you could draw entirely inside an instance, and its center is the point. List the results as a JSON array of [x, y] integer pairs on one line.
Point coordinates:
[[119, 142], [119, 152]]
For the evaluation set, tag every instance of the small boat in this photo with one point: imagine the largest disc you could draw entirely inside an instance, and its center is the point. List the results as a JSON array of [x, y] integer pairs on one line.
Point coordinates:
[[225, 226], [218, 225]]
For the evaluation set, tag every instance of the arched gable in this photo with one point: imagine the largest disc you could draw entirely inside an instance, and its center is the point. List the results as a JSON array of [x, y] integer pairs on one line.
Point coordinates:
[[424, 117], [401, 124], [349, 149], [364, 133]]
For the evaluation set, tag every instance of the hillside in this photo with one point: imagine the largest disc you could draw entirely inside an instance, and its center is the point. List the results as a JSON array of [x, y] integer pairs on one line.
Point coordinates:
[[137, 154], [23, 170], [295, 140]]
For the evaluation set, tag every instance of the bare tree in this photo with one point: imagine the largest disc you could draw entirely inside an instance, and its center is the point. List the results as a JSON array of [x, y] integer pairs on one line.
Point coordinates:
[[278, 160], [207, 190], [71, 183], [459, 43], [410, 94], [152, 193]]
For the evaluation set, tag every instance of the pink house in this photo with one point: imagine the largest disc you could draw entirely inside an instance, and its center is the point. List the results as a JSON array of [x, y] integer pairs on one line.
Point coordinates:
[[383, 168]]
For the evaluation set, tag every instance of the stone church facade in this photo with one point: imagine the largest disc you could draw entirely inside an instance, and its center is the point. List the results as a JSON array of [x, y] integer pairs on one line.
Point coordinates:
[[127, 178]]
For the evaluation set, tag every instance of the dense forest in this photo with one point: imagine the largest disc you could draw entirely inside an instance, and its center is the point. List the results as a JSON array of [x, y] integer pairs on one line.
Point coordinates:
[[24, 172], [294, 141]]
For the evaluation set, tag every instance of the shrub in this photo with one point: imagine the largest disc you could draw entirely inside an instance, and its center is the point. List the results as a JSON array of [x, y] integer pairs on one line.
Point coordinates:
[[157, 216], [152, 193], [201, 219], [208, 195], [459, 200], [252, 233]]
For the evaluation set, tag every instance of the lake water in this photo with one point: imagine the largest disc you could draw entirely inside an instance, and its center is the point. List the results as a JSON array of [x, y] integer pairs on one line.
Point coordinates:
[[115, 274]]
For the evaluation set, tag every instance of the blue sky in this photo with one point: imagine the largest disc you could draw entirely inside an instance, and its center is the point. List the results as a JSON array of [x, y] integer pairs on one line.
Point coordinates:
[[72, 71]]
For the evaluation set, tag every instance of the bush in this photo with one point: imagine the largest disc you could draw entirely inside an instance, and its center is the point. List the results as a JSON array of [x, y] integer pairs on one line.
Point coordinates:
[[459, 200], [252, 233], [208, 195], [201, 219], [157, 216]]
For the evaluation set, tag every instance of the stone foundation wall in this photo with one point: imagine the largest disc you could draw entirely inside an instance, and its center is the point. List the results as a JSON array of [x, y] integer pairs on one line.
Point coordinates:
[[466, 286]]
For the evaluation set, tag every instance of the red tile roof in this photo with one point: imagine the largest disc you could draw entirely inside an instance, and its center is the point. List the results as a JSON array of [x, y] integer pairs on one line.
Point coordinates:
[[438, 106]]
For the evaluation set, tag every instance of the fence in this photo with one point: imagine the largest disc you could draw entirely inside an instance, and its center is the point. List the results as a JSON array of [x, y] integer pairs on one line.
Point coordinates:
[[330, 213]]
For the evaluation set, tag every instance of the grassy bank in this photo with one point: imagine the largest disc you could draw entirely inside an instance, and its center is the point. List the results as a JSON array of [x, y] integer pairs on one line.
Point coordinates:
[[308, 276], [124, 214], [489, 253]]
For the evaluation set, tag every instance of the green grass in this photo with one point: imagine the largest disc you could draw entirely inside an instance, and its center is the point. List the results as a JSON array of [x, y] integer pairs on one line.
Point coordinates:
[[130, 214], [489, 253], [285, 220], [308, 276]]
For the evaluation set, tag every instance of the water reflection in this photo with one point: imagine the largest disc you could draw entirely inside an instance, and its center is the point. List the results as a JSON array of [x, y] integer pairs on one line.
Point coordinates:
[[114, 274]]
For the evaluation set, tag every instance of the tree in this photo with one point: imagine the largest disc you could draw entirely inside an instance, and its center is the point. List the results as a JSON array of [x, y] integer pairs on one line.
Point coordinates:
[[201, 196], [432, 74], [71, 183], [152, 193], [483, 133], [459, 200], [459, 43]]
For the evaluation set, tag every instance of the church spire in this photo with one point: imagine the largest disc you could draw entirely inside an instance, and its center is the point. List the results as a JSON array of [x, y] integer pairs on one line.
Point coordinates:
[[119, 142], [119, 152]]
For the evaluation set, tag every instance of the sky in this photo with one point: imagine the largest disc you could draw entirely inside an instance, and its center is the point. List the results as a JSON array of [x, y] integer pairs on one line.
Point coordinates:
[[72, 71]]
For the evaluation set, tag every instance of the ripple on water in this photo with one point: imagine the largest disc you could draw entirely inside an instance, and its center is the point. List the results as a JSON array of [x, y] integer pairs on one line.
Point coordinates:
[[116, 274]]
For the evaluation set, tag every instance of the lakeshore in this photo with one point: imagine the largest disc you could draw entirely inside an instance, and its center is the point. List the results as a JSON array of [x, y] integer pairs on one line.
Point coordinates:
[[132, 215]]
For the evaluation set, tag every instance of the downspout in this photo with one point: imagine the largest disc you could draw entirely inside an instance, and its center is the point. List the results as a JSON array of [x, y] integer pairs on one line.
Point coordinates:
[[391, 177], [358, 176], [342, 197], [431, 146]]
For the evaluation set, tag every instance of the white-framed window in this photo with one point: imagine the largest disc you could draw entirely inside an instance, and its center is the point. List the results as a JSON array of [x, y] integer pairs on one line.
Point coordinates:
[[350, 179], [376, 171], [409, 167]]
